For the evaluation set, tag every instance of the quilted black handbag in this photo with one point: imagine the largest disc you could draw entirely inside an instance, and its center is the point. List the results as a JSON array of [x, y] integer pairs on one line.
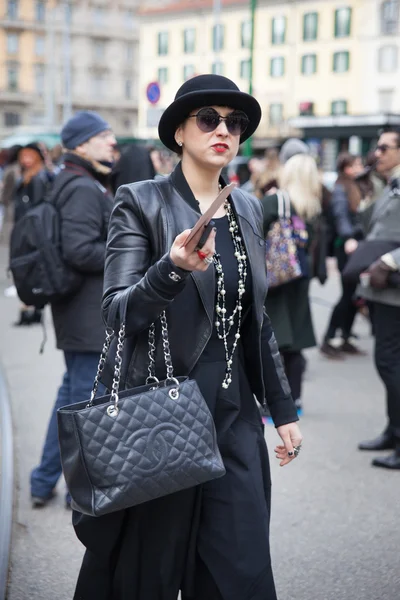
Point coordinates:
[[127, 448]]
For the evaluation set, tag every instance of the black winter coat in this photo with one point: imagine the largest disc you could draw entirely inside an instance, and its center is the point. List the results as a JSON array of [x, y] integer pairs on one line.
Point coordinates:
[[84, 223], [28, 195], [145, 221], [134, 165]]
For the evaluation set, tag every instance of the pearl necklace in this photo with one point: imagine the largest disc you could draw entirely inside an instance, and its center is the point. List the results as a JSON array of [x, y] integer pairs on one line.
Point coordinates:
[[223, 322]]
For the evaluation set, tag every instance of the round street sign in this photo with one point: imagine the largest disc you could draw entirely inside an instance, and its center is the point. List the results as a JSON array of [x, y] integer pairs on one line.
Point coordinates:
[[153, 92]]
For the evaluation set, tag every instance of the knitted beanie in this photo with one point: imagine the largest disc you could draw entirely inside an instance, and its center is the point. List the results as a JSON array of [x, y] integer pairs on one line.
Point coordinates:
[[81, 127]]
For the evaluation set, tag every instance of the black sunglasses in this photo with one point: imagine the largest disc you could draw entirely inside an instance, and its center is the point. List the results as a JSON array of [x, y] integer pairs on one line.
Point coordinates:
[[384, 148], [207, 120]]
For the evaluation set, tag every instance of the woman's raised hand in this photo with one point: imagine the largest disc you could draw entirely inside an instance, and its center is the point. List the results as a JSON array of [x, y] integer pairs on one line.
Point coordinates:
[[187, 257]]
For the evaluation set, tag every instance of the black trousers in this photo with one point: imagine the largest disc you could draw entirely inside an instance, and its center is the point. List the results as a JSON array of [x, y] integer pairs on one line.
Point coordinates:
[[344, 313], [387, 359]]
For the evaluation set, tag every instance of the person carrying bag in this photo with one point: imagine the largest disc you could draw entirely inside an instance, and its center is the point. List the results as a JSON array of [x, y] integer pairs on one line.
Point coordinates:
[[169, 519]]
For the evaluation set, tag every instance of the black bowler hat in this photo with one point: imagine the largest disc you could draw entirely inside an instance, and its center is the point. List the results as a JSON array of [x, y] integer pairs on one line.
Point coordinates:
[[206, 90]]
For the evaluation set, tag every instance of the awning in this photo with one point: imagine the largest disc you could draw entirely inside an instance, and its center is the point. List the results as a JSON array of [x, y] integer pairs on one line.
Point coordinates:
[[337, 126]]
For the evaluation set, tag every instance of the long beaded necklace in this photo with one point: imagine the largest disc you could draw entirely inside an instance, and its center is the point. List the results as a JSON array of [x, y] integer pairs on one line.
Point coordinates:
[[225, 323]]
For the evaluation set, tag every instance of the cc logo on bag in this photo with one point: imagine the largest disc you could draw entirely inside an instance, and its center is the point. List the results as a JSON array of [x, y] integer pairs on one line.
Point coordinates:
[[154, 445]]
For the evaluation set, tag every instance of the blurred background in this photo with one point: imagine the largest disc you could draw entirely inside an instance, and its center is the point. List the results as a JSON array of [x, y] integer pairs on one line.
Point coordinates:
[[323, 71]]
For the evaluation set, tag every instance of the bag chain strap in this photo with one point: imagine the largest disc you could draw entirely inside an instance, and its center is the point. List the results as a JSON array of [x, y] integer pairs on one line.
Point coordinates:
[[113, 410], [101, 365], [117, 368]]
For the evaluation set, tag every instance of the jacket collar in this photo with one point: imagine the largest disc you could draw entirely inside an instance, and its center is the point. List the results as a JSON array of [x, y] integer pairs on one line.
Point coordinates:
[[179, 181], [252, 238], [75, 163]]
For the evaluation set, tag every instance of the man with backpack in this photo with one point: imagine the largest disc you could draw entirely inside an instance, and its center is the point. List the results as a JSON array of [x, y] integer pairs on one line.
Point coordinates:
[[29, 190], [83, 207]]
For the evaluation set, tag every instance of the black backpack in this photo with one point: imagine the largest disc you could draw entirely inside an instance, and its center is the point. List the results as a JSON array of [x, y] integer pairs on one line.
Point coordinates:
[[40, 274]]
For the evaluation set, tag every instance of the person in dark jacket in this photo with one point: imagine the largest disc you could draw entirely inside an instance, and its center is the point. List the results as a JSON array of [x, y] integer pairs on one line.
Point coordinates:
[[135, 164], [345, 203], [30, 189], [79, 329], [210, 541], [288, 305]]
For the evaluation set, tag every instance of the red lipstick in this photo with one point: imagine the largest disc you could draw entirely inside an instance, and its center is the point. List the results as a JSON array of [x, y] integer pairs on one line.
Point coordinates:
[[220, 147]]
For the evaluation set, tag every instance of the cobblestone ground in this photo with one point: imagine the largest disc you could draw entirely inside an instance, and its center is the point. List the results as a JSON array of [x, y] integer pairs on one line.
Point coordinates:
[[335, 525]]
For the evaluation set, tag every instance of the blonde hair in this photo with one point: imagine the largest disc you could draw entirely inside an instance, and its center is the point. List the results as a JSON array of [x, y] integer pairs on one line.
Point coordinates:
[[300, 178]]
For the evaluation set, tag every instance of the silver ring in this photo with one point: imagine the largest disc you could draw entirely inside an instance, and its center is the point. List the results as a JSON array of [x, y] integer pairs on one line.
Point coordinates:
[[208, 260], [296, 450]]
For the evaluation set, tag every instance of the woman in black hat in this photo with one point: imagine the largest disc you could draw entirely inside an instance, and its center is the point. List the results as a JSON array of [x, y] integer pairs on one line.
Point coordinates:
[[211, 542]]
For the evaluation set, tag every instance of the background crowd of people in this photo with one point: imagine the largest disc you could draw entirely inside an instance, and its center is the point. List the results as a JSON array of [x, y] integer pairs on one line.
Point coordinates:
[[335, 218]]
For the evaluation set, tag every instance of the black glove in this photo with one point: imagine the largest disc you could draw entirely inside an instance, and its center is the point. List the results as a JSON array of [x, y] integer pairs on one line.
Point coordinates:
[[379, 272]]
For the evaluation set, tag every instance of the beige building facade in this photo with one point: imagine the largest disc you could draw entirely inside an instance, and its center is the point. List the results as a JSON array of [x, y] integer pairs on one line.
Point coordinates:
[[313, 59], [61, 56]]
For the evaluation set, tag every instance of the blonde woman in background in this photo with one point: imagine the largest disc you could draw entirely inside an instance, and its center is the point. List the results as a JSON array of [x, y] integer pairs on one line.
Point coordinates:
[[288, 305]]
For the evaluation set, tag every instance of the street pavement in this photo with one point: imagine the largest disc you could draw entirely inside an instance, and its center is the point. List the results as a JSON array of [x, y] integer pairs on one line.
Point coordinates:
[[335, 530]]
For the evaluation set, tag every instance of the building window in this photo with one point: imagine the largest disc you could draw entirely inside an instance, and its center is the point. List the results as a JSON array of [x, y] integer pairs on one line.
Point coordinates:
[[129, 52], [341, 62], [278, 30], [99, 15], [275, 114], [12, 77], [309, 64], [218, 37], [163, 43], [12, 9], [40, 44], [385, 98], [310, 26], [99, 50], [39, 79], [390, 16], [68, 13], [306, 109], [37, 117], [40, 12], [188, 72], [98, 85], [126, 123], [162, 76], [245, 69], [277, 67], [129, 19], [387, 59], [342, 22], [245, 34], [217, 68], [12, 43], [12, 119], [128, 89], [339, 107], [189, 40]]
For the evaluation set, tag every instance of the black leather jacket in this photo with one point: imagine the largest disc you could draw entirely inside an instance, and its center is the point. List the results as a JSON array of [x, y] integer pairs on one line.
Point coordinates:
[[147, 217]]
